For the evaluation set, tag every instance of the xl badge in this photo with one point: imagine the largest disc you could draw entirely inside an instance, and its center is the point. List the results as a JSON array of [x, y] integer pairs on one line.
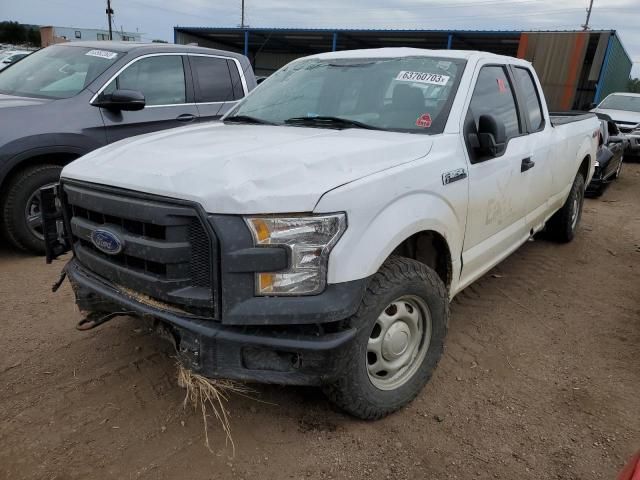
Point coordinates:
[[107, 242]]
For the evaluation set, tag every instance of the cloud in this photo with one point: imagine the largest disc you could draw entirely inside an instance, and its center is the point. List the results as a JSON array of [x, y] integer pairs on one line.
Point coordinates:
[[156, 18]]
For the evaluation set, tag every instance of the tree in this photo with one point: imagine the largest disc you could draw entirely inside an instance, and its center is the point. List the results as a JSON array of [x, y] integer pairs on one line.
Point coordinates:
[[14, 32], [634, 85], [159, 41]]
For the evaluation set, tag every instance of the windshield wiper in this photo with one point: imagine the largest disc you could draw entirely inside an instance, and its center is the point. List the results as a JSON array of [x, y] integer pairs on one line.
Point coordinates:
[[329, 122], [247, 119]]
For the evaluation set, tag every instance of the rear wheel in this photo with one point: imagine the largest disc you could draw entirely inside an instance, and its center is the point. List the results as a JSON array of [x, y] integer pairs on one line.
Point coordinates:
[[564, 223], [402, 323], [21, 206]]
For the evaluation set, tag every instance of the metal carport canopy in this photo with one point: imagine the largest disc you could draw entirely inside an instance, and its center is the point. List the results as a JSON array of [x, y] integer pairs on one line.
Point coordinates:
[[308, 41]]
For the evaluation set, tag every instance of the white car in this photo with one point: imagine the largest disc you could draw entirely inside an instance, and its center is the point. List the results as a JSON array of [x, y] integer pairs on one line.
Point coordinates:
[[624, 110], [12, 56], [317, 235]]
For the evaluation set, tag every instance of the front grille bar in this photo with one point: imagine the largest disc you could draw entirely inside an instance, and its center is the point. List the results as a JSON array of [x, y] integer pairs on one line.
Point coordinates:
[[168, 254]]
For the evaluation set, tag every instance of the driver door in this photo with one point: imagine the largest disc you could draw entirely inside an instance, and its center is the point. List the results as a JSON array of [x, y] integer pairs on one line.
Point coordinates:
[[496, 222], [165, 83]]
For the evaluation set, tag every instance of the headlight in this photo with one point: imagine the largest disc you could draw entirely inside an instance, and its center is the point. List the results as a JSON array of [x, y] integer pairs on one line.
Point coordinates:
[[309, 240]]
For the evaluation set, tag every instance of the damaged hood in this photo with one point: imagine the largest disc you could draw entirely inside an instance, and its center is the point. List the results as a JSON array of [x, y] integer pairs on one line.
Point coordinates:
[[241, 169]]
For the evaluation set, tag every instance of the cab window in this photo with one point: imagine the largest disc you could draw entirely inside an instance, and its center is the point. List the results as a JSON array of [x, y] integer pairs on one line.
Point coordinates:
[[160, 79], [532, 105], [493, 95]]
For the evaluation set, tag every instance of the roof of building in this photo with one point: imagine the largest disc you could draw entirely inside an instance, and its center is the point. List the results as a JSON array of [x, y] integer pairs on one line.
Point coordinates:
[[311, 40], [88, 28]]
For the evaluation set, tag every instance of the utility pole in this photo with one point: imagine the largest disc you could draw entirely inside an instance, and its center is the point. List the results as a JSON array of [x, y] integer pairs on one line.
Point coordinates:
[[242, 18], [109, 14], [586, 24]]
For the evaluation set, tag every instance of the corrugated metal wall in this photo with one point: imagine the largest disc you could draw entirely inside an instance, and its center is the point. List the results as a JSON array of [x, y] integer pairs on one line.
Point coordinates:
[[558, 58], [617, 69]]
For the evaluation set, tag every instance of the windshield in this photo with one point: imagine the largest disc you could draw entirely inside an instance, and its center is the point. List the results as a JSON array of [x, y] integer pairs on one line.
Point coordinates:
[[410, 94], [56, 72], [621, 102]]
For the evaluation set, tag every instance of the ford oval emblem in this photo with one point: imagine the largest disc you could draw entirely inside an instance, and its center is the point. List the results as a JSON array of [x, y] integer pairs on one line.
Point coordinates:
[[107, 242]]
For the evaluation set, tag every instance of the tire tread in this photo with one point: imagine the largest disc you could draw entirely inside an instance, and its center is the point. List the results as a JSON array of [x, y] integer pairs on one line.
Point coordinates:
[[396, 269], [10, 229]]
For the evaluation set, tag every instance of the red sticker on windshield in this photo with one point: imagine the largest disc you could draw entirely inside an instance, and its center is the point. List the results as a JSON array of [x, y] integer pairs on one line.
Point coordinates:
[[424, 121], [501, 85]]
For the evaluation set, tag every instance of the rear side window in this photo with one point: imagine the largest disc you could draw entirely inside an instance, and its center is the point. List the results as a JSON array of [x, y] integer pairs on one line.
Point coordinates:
[[160, 79], [213, 78], [533, 109], [238, 90], [493, 95]]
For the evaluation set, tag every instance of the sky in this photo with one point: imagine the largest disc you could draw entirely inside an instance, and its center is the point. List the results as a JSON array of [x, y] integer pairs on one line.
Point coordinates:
[[155, 19]]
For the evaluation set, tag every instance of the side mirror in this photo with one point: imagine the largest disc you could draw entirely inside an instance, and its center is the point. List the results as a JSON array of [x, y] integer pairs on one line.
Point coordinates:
[[592, 106], [491, 137], [616, 139], [128, 100]]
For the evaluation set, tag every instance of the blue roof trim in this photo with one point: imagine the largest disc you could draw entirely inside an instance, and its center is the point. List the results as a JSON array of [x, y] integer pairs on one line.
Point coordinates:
[[372, 30]]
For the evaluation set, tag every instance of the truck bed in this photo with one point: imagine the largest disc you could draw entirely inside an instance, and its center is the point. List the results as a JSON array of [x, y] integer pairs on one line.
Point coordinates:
[[562, 118]]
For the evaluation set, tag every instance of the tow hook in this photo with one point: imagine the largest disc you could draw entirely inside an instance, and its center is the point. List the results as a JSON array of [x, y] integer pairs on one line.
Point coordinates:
[[94, 319]]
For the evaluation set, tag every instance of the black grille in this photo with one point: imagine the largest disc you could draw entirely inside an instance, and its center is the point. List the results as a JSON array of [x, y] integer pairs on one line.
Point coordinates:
[[168, 255], [134, 227], [200, 263]]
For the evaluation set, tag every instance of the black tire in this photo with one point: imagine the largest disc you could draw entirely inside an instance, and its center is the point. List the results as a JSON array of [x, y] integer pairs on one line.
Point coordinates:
[[562, 226], [398, 277], [595, 193], [14, 204]]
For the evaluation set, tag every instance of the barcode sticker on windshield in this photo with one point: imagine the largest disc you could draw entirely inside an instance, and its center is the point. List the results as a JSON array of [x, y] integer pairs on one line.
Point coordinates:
[[421, 77], [102, 54]]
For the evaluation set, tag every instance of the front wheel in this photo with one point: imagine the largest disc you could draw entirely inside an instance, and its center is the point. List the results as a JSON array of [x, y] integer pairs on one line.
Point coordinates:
[[402, 324], [564, 223], [21, 206]]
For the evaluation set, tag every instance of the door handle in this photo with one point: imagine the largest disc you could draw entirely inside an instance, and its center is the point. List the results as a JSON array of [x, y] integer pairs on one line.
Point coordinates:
[[186, 117], [527, 164]]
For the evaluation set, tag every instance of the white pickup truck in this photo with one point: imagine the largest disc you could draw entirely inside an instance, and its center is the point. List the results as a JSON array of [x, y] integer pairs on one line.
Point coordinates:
[[317, 234]]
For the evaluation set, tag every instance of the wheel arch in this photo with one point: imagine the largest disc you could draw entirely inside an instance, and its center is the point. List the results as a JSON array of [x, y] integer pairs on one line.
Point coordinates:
[[585, 168], [430, 248], [55, 155]]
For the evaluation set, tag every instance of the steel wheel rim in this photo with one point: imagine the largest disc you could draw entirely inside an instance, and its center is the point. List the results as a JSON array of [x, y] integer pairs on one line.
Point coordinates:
[[575, 211], [398, 342], [33, 214]]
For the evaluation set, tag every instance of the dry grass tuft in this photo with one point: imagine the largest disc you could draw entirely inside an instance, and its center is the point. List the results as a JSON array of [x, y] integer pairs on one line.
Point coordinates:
[[210, 395]]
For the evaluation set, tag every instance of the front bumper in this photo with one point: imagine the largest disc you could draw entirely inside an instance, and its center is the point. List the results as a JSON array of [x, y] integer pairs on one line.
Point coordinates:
[[297, 354], [633, 145], [597, 182]]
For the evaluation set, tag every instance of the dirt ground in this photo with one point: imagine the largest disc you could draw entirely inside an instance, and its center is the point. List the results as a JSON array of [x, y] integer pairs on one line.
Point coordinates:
[[540, 380]]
